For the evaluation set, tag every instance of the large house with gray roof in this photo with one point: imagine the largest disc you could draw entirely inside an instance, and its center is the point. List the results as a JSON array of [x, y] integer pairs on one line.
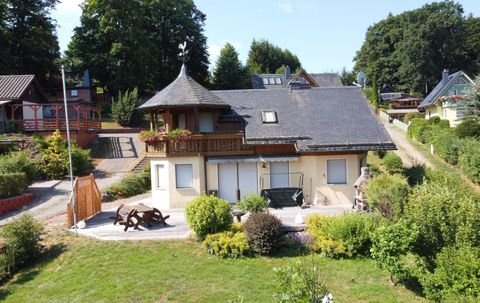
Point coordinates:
[[249, 141], [443, 99]]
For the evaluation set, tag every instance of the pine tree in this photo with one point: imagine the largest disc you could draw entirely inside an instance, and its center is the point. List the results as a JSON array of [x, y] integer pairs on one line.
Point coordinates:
[[229, 72]]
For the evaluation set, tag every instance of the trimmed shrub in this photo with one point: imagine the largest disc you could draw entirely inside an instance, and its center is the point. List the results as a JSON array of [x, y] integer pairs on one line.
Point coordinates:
[[227, 244], [468, 128], [347, 235], [299, 283], [388, 194], [132, 185], [13, 184], [208, 215], [469, 160], [393, 164], [390, 244], [410, 116], [415, 174], [418, 129], [456, 275], [19, 162], [253, 203], [447, 146], [23, 235], [263, 232]]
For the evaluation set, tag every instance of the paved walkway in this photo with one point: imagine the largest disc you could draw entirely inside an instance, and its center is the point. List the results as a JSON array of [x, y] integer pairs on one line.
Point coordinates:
[[101, 226], [51, 197]]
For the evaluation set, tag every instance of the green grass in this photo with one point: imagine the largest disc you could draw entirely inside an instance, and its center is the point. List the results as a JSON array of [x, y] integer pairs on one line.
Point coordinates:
[[179, 271]]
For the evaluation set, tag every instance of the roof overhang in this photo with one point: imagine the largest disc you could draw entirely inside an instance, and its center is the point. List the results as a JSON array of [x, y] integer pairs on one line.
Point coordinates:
[[183, 106], [350, 147]]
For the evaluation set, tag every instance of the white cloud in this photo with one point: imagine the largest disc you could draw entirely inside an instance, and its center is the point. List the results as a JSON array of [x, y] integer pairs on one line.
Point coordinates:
[[286, 6]]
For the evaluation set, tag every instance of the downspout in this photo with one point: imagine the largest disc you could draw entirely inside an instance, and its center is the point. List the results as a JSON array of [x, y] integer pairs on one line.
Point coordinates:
[[205, 175]]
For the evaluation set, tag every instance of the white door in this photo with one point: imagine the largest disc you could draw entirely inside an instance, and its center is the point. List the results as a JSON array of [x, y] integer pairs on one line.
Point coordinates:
[[227, 181], [206, 122], [247, 178], [279, 174]]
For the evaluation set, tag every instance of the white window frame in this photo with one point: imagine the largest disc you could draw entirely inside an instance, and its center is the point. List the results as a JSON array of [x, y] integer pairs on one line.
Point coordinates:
[[346, 172], [160, 182], [269, 116], [180, 184]]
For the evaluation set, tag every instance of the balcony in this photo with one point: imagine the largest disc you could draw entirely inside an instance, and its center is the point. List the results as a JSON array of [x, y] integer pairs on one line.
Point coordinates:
[[200, 144]]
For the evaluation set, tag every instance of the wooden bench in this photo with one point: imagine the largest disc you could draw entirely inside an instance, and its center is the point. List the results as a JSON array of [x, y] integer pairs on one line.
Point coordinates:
[[283, 197]]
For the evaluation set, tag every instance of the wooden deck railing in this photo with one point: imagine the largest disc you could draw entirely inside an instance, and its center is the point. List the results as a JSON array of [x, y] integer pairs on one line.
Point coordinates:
[[205, 144], [53, 124]]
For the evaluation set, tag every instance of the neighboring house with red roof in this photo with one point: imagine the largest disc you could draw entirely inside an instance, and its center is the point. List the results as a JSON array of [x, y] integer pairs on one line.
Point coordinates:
[[247, 141], [443, 99]]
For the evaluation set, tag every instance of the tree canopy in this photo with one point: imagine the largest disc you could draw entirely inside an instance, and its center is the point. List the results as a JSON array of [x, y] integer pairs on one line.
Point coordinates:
[[127, 44], [264, 58], [28, 40], [229, 72], [410, 50]]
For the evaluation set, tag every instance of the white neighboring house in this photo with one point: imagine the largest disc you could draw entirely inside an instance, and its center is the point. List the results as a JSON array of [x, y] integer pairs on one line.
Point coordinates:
[[311, 140]]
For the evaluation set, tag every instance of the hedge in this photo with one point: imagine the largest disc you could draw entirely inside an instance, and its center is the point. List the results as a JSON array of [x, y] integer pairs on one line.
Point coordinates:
[[12, 184]]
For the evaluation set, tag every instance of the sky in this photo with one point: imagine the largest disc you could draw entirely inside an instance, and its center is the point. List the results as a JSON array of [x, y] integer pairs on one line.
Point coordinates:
[[324, 34]]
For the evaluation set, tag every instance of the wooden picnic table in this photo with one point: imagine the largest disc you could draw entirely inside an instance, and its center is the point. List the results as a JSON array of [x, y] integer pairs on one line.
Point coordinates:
[[134, 215]]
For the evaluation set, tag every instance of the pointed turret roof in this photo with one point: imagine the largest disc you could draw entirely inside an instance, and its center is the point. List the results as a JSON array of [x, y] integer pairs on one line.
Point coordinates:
[[183, 92]]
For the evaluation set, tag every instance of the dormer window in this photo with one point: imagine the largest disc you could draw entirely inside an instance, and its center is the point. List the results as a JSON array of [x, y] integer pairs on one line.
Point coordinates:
[[265, 81], [269, 116]]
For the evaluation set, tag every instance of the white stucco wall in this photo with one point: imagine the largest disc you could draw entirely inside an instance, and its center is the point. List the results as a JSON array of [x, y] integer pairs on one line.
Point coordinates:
[[170, 196]]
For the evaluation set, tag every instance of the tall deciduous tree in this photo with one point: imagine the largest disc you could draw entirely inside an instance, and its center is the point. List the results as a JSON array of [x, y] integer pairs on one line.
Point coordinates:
[[128, 44], [410, 50], [28, 38], [265, 57], [229, 72]]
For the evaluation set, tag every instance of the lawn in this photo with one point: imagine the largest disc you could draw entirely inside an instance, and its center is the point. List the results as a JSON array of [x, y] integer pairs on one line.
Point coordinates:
[[87, 270]]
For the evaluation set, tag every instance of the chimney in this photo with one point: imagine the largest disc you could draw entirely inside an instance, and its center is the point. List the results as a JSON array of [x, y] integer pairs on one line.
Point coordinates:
[[445, 76], [288, 73]]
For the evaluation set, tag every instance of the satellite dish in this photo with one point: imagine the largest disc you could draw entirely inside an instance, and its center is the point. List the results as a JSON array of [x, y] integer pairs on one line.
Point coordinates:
[[361, 79]]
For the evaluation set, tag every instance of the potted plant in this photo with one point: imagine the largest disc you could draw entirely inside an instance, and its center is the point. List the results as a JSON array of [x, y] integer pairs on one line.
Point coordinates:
[[151, 136], [179, 134]]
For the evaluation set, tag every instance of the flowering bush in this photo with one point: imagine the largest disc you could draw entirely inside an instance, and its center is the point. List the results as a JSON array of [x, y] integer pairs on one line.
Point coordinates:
[[151, 135], [180, 134]]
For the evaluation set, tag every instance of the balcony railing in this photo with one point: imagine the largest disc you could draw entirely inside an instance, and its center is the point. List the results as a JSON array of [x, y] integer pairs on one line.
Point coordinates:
[[200, 144], [60, 124]]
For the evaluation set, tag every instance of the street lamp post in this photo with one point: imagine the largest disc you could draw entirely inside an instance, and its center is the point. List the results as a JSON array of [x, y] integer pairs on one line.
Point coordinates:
[[74, 204]]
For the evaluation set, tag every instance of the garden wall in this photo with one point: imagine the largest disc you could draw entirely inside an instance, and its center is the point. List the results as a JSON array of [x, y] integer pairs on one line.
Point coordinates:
[[12, 203]]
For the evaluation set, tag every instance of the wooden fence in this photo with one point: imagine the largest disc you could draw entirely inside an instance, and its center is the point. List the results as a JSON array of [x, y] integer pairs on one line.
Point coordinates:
[[88, 199]]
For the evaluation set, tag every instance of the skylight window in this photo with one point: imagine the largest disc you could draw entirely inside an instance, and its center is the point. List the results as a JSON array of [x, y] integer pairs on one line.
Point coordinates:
[[278, 81], [271, 81], [265, 81], [269, 116]]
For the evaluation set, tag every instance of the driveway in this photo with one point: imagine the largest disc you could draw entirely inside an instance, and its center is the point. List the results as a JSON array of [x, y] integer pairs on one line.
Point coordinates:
[[406, 151], [117, 154]]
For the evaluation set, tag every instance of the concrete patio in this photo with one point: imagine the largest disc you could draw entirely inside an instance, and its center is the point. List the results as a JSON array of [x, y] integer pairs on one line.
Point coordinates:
[[101, 226]]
